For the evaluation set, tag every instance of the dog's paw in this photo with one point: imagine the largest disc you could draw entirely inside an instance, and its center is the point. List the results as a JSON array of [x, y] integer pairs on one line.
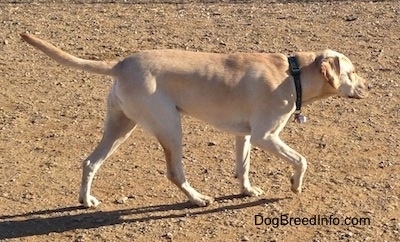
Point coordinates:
[[202, 200], [252, 191], [89, 202], [294, 188]]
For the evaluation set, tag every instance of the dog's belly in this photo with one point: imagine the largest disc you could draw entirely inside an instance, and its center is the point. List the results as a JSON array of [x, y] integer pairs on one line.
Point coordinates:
[[233, 128], [234, 123]]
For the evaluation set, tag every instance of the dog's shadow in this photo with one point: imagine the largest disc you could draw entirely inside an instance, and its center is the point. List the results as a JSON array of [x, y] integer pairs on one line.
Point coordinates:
[[70, 218]]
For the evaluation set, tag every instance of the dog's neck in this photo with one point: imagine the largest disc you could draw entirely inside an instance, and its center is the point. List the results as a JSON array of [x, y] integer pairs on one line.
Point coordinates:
[[314, 85]]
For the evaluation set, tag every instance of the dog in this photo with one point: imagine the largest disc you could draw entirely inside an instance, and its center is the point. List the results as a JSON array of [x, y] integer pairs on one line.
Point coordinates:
[[250, 95]]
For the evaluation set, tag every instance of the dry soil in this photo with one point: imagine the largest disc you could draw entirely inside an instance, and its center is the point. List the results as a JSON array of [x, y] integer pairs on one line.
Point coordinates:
[[51, 118]]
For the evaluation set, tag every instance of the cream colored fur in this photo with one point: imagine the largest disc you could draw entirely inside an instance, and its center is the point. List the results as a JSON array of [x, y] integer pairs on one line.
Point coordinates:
[[249, 95]]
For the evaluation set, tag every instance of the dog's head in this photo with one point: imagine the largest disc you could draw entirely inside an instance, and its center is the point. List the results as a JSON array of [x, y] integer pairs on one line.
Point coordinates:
[[340, 74]]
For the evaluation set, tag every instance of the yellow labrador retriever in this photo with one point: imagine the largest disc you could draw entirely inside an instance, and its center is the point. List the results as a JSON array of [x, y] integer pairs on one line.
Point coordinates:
[[247, 94]]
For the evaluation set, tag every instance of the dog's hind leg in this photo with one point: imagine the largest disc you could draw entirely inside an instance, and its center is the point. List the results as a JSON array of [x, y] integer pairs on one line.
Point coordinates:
[[164, 122], [243, 147], [117, 129]]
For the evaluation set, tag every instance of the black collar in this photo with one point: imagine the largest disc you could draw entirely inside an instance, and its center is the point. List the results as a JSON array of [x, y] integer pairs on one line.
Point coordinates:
[[295, 71]]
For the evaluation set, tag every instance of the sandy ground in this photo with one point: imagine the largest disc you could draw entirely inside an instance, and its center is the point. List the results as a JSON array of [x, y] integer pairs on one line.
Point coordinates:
[[51, 118]]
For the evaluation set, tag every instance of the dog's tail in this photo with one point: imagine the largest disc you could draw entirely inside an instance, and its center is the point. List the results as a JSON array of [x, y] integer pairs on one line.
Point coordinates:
[[62, 57]]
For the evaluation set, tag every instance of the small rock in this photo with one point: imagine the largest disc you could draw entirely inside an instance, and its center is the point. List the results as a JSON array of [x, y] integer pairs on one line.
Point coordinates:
[[121, 200], [350, 18], [168, 236], [212, 143], [28, 196], [60, 84], [80, 238], [245, 238]]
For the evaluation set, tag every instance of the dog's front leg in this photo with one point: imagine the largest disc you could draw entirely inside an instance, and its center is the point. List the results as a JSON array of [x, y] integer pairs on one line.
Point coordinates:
[[272, 143], [243, 147]]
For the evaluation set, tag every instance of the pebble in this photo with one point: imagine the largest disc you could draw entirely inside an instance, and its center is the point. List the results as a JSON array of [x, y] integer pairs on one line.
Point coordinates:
[[121, 200], [168, 236], [212, 143], [80, 238], [245, 238]]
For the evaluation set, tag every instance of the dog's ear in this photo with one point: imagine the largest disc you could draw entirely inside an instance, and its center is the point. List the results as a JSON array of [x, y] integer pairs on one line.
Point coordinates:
[[330, 69]]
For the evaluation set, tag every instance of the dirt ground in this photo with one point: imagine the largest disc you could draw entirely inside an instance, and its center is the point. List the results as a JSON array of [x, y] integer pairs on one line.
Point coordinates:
[[51, 118]]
